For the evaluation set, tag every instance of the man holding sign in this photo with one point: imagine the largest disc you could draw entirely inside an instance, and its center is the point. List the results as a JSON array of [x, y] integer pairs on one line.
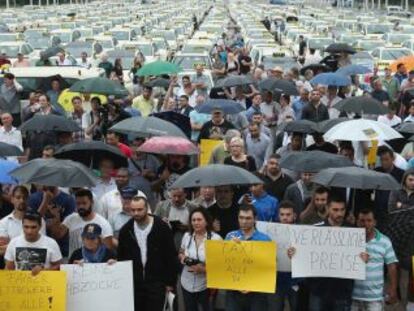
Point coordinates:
[[235, 300], [328, 293]]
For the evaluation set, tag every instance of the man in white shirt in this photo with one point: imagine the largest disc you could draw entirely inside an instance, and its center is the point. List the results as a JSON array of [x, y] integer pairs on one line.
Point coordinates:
[[62, 60], [74, 223], [390, 118], [85, 63], [32, 250], [11, 226], [110, 203], [8, 133], [106, 183], [331, 99]]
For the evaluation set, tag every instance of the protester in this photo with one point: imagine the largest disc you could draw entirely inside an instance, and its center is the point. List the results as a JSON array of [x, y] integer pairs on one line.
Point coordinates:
[[206, 197], [238, 156], [317, 209], [8, 133], [300, 192], [216, 128], [74, 223], [258, 145], [92, 250], [106, 182], [222, 151], [192, 257], [44, 251], [10, 97], [315, 111], [368, 294], [148, 242]]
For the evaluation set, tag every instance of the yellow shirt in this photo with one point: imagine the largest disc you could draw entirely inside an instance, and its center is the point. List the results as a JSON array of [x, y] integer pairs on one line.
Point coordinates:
[[145, 106]]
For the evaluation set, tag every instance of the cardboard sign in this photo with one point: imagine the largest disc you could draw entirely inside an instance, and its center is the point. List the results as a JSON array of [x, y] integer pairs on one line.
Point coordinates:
[[247, 265], [21, 291], [100, 287]]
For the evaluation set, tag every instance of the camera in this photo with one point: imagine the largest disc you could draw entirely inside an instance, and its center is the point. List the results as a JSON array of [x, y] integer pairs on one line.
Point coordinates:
[[191, 261]]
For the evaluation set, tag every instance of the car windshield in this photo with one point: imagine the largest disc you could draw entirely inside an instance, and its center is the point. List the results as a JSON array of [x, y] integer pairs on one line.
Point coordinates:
[[194, 49], [398, 38], [394, 54], [9, 50], [284, 62], [319, 43], [169, 35], [120, 35], [33, 34], [39, 43], [86, 32], [145, 49], [106, 44], [65, 37], [350, 39], [378, 29], [160, 45], [7, 37], [77, 50], [190, 62], [370, 45]]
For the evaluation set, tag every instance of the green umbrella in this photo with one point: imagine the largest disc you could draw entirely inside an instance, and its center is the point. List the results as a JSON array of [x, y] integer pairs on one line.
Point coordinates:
[[101, 86], [158, 68]]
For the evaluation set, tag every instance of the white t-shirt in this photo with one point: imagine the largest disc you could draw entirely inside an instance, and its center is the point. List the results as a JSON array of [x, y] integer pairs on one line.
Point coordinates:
[[393, 122], [75, 225], [26, 255], [110, 204], [12, 227]]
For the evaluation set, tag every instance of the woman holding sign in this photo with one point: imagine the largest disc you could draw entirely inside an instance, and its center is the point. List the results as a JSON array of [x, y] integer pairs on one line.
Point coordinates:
[[192, 256]]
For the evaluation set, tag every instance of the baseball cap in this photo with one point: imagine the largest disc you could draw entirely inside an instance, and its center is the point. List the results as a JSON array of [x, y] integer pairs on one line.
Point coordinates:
[[128, 192], [92, 231]]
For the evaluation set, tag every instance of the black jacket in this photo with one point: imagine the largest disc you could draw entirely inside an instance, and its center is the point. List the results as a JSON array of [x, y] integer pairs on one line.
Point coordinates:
[[162, 258]]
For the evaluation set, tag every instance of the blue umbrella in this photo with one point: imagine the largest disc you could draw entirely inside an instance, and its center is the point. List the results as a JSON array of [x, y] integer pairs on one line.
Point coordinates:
[[6, 167], [352, 70], [330, 78], [225, 105]]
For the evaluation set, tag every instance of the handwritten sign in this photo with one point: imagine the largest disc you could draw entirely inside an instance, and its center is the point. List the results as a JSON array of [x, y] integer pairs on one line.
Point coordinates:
[[206, 148], [328, 252], [249, 266], [20, 291], [100, 287], [281, 235]]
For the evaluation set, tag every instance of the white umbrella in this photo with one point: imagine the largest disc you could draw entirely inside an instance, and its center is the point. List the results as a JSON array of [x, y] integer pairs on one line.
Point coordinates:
[[361, 130]]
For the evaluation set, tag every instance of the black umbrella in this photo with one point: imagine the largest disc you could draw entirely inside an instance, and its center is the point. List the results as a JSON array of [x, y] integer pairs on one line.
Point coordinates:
[[406, 128], [45, 83], [216, 175], [340, 48], [147, 127], [316, 68], [50, 122], [52, 51], [299, 126], [178, 119], [53, 172], [360, 105], [313, 161], [160, 82], [356, 177], [7, 150], [324, 126], [226, 105], [279, 85], [91, 153], [234, 81]]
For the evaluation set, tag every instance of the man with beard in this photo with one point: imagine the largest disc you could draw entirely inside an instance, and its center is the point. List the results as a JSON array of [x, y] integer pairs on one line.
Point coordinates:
[[275, 181], [326, 293], [74, 224], [316, 210], [11, 226], [216, 128], [148, 241], [224, 212]]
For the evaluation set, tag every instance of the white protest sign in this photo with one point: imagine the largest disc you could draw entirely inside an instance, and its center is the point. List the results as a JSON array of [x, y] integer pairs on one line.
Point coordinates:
[[280, 234], [328, 252], [99, 286]]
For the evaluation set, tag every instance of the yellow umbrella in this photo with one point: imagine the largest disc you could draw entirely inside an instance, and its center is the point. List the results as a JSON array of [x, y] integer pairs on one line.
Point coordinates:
[[65, 99]]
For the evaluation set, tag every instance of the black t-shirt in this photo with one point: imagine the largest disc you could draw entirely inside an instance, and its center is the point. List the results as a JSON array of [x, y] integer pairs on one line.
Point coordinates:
[[249, 164], [212, 131], [244, 69], [380, 95], [228, 218], [326, 146], [302, 47], [77, 255]]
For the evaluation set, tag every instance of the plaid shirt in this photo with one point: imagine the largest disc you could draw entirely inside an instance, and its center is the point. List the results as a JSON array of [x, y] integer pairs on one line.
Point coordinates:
[[79, 135]]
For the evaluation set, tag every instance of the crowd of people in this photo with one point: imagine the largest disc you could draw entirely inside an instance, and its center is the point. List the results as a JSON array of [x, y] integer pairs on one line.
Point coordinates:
[[134, 214]]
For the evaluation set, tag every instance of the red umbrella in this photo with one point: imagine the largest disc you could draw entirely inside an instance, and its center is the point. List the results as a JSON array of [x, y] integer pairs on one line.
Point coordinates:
[[168, 145]]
